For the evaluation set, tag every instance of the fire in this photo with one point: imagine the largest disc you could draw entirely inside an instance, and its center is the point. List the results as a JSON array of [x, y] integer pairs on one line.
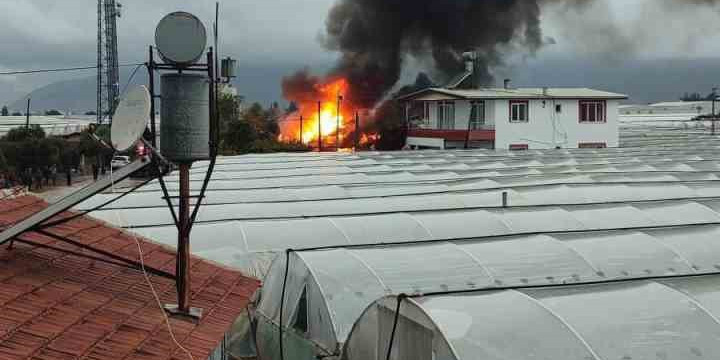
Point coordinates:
[[330, 124]]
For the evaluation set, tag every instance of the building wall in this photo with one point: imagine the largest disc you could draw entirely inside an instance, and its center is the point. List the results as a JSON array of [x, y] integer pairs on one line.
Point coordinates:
[[545, 129]]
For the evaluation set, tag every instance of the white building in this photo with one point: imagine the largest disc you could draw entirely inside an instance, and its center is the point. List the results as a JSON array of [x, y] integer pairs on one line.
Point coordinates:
[[511, 118]]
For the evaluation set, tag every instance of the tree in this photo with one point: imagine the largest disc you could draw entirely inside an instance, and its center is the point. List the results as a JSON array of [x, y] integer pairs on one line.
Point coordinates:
[[5, 111], [53, 112], [3, 162], [292, 107], [34, 132], [253, 130], [239, 138], [390, 126]]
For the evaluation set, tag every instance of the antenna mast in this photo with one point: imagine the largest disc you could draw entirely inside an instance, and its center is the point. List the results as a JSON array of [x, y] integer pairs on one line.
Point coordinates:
[[108, 72]]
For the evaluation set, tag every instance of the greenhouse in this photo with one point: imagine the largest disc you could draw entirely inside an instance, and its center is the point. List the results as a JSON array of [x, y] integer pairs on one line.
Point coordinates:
[[327, 290], [250, 245], [260, 205], [646, 319], [452, 229]]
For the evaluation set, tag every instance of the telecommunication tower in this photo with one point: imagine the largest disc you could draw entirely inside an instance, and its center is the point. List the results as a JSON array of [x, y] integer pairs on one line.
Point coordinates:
[[108, 71]]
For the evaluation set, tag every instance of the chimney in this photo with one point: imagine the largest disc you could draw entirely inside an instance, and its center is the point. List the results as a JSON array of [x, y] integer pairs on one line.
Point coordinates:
[[470, 58], [507, 84], [469, 65]]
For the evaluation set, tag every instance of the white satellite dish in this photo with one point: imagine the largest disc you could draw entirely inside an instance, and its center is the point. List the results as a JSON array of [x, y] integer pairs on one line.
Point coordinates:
[[181, 38], [130, 119]]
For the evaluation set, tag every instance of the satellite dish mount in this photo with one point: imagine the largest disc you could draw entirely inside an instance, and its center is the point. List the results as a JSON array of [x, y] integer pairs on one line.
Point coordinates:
[[188, 129]]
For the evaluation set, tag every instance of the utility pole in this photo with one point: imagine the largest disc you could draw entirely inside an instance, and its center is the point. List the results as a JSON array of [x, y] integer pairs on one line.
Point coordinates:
[[337, 126], [320, 149], [27, 115], [357, 130], [301, 130], [714, 97]]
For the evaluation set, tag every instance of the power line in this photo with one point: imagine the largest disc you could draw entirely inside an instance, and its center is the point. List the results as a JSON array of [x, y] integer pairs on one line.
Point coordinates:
[[60, 69]]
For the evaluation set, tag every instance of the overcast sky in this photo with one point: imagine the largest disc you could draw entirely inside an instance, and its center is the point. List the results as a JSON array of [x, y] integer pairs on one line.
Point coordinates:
[[50, 33]]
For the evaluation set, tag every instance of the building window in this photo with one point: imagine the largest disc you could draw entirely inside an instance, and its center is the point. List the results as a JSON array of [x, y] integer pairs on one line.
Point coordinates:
[[446, 115], [593, 111], [519, 111], [593, 145], [477, 115], [518, 147]]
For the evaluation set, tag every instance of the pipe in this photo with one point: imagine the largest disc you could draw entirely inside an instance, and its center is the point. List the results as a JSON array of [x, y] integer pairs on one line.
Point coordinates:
[[357, 130], [183, 250], [27, 115], [151, 75], [320, 149]]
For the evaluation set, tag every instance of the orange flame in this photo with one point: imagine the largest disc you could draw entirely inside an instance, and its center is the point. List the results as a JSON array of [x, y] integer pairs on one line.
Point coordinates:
[[332, 123]]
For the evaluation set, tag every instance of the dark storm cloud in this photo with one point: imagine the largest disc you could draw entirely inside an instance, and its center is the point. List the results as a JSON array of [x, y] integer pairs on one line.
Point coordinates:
[[37, 34]]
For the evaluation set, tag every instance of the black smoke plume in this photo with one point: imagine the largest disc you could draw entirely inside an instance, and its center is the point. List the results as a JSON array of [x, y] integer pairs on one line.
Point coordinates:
[[373, 37]]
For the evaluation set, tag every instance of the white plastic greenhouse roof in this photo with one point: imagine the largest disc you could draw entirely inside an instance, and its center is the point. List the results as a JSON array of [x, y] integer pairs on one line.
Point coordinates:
[[261, 204], [358, 276], [661, 319], [239, 243], [56, 126]]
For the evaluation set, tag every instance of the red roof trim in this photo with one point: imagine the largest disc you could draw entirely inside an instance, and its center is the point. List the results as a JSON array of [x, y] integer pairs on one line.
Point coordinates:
[[453, 135]]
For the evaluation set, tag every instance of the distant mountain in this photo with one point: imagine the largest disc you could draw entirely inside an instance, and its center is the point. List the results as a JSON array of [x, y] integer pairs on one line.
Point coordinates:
[[77, 95], [256, 83]]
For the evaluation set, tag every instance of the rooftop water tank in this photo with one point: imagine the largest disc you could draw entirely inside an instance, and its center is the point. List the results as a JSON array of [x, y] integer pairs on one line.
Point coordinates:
[[185, 118]]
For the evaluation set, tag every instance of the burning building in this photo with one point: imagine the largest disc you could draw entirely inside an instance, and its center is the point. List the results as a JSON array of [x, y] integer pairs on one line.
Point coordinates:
[[374, 39]]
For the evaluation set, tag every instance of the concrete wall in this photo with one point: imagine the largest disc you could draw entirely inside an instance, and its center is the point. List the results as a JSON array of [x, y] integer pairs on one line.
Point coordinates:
[[545, 129], [426, 143]]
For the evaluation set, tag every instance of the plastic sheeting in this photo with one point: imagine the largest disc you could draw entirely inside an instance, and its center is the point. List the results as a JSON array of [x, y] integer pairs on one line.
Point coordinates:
[[556, 186], [351, 279], [668, 319], [238, 242]]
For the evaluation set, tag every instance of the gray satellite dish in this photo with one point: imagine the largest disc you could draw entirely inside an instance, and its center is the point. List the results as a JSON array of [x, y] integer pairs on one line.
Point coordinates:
[[181, 38], [130, 119]]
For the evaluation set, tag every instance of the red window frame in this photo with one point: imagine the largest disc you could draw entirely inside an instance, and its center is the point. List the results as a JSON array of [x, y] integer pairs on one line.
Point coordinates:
[[527, 113], [592, 145], [583, 111], [519, 147]]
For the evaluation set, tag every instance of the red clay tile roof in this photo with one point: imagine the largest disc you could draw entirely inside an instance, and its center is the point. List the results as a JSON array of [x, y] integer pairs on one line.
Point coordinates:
[[59, 306]]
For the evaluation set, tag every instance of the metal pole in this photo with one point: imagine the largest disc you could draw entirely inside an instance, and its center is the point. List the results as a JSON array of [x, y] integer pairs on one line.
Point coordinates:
[[320, 149], [357, 130], [467, 135], [337, 126], [301, 129], [151, 77], [714, 90], [27, 115], [214, 124], [183, 251], [99, 99]]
